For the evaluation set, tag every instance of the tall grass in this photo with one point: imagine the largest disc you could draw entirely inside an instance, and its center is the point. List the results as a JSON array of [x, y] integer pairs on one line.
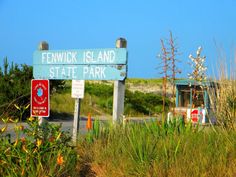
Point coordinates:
[[149, 149], [223, 97]]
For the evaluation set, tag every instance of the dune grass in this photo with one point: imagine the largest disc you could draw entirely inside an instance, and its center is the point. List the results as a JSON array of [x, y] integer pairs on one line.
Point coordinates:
[[223, 97], [154, 150]]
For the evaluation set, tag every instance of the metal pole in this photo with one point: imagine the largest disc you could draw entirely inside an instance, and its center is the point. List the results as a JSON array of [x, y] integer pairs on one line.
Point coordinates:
[[119, 89], [76, 120], [42, 46]]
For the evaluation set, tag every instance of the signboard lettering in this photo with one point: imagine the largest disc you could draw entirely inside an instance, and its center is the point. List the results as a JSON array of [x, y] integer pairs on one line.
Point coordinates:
[[90, 64], [102, 57], [80, 72], [88, 56], [59, 57]]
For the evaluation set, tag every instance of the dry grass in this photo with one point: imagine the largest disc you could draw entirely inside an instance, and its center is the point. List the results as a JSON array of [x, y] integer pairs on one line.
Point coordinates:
[[223, 98], [178, 152]]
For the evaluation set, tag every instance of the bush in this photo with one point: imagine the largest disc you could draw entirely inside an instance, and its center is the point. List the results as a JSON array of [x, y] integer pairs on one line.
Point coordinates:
[[36, 151], [145, 103], [15, 87], [100, 90]]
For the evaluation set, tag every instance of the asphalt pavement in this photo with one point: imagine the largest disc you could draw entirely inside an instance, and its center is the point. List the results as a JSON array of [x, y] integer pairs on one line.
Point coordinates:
[[67, 124]]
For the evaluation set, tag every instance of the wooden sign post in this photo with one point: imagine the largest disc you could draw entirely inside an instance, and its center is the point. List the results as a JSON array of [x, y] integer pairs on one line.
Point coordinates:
[[119, 90], [76, 121], [43, 46], [77, 92]]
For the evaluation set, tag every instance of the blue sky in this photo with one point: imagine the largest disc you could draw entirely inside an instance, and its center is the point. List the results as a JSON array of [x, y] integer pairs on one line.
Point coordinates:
[[82, 24]]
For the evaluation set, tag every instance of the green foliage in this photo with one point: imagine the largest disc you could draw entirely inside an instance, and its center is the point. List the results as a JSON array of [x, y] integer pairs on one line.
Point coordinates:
[[100, 97], [57, 86], [15, 85], [144, 103], [151, 149], [135, 102], [100, 90], [36, 151], [94, 133], [103, 92], [14, 81], [62, 103]]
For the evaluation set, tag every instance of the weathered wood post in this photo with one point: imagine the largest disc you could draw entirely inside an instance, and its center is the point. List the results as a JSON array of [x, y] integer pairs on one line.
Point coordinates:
[[77, 92], [76, 120], [42, 46], [119, 89]]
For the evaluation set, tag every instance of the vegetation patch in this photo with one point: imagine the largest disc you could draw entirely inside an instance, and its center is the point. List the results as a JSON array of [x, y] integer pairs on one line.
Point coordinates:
[[36, 150], [98, 100], [149, 149]]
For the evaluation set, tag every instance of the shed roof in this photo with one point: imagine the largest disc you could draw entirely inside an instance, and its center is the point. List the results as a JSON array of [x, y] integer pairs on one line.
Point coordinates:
[[193, 82]]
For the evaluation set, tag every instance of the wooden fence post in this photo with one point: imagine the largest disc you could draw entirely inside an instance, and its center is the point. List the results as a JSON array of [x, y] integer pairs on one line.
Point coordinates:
[[43, 46], [119, 90]]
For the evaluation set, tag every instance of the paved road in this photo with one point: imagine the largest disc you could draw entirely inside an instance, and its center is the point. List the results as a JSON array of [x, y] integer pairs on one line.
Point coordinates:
[[67, 125]]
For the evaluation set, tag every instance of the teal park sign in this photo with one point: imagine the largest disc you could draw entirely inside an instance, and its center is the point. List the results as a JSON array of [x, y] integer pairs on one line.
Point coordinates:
[[88, 64]]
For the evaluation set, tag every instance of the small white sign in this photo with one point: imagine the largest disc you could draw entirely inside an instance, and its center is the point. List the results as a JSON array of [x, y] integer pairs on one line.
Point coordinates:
[[77, 89]]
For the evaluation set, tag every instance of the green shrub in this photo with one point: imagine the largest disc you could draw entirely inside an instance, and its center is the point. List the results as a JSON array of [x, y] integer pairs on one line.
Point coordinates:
[[100, 90], [36, 151], [144, 103], [15, 87]]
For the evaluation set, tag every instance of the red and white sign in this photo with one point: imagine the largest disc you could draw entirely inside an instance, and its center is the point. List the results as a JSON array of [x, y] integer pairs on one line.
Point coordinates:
[[40, 98], [196, 116]]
